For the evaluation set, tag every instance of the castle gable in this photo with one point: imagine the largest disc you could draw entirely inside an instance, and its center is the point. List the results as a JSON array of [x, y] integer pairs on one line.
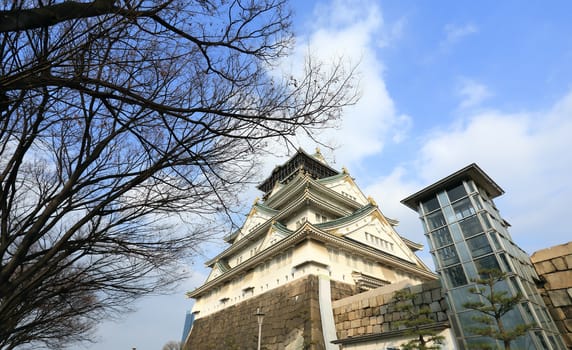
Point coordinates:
[[258, 215], [276, 233], [218, 269], [346, 186], [376, 232]]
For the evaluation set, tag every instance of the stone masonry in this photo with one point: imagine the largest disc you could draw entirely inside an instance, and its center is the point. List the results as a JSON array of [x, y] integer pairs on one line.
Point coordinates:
[[554, 266], [372, 312], [291, 322]]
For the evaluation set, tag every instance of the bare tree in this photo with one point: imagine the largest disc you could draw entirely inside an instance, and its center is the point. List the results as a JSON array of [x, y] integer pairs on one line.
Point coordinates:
[[116, 117], [173, 345]]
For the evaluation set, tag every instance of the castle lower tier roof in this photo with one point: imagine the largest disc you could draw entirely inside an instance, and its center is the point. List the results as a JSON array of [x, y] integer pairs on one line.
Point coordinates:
[[311, 232]]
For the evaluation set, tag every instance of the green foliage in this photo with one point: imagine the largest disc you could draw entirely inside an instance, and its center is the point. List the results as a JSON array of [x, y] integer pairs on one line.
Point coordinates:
[[496, 305], [417, 322]]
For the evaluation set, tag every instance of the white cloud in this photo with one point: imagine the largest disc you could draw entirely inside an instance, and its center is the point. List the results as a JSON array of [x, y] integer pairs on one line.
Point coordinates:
[[393, 32], [527, 154], [455, 33], [472, 93], [351, 29]]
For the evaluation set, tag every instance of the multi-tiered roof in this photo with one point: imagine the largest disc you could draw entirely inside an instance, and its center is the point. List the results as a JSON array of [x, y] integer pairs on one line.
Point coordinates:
[[312, 219]]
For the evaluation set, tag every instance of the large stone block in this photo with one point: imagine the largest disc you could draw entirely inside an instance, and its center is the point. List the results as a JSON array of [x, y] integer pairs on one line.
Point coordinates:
[[559, 263], [557, 313], [568, 259], [559, 280], [435, 306], [544, 267], [436, 294], [567, 311], [568, 325], [373, 302], [427, 297], [549, 253], [559, 297]]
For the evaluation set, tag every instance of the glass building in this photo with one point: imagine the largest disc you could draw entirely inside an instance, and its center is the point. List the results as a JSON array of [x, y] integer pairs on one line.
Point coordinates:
[[467, 234]]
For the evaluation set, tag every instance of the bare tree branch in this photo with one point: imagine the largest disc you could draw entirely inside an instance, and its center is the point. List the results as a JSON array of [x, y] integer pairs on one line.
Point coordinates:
[[126, 127], [19, 19]]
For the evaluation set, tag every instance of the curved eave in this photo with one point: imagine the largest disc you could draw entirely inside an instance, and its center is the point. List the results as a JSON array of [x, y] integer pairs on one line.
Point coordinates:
[[256, 234], [266, 209], [301, 201], [286, 194], [333, 178], [414, 246], [306, 232], [257, 206], [230, 238], [345, 220]]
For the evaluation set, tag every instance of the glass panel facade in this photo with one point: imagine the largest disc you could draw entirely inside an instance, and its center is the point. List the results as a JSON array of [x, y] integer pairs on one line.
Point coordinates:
[[488, 262], [505, 265], [486, 220], [430, 205], [455, 276], [448, 256], [477, 202], [456, 192], [471, 226], [540, 338], [467, 234], [441, 237], [463, 209], [495, 240], [471, 186], [479, 245], [443, 199], [435, 220], [449, 214]]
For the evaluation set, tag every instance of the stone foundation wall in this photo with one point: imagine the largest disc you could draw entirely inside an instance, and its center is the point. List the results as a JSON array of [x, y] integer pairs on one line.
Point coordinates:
[[372, 312], [291, 322], [554, 265]]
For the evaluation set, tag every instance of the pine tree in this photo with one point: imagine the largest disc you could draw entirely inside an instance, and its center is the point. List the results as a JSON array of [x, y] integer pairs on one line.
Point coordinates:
[[497, 304], [417, 322]]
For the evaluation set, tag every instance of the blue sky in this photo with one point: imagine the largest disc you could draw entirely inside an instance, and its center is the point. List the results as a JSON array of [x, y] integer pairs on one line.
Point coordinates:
[[444, 84]]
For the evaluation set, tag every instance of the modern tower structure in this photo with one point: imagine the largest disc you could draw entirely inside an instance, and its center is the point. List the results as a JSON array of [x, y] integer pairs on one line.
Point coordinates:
[[467, 234], [313, 238]]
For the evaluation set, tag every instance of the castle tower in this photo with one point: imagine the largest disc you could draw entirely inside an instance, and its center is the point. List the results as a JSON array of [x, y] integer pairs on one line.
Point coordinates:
[[466, 234], [313, 238]]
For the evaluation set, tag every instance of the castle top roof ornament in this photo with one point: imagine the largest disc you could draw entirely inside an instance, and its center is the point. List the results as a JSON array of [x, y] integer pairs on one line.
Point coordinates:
[[314, 167], [318, 155]]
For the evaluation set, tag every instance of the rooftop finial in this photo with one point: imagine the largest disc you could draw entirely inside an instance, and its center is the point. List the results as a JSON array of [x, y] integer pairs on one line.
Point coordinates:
[[318, 155]]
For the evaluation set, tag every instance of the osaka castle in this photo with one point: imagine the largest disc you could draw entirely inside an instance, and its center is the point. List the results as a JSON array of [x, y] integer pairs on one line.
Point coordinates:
[[312, 239]]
